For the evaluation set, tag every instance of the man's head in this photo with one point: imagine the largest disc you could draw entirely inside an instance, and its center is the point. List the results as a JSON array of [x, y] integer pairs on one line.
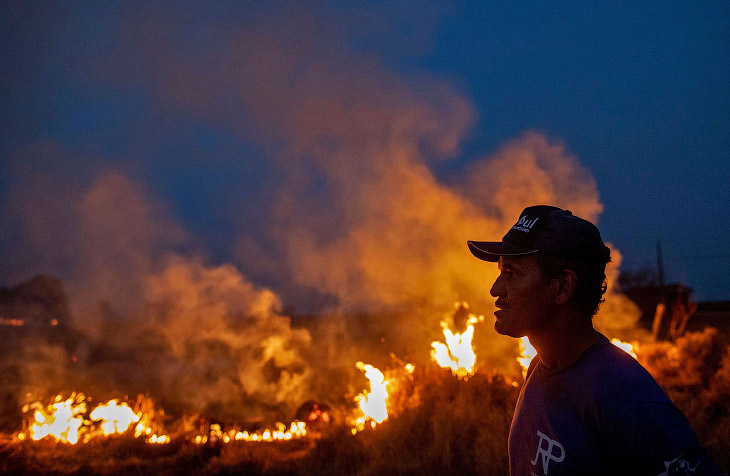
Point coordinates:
[[559, 252]]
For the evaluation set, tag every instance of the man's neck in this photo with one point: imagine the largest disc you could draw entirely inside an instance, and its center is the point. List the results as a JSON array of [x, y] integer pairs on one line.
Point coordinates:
[[564, 343]]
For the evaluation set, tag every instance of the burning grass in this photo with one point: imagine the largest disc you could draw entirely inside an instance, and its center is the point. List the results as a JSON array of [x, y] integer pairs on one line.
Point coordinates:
[[433, 430], [436, 423], [695, 373], [128, 455]]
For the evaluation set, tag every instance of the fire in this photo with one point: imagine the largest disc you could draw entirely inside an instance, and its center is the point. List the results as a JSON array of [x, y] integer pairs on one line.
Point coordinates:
[[67, 421], [144, 430], [61, 420], [281, 432], [527, 353], [114, 418], [457, 353], [625, 346], [373, 404], [11, 322]]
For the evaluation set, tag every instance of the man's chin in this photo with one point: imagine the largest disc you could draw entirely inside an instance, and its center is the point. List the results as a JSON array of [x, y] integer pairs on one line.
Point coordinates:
[[502, 328]]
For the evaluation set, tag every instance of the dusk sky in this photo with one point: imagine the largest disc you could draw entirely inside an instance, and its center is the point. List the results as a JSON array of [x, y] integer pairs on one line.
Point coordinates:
[[242, 124]]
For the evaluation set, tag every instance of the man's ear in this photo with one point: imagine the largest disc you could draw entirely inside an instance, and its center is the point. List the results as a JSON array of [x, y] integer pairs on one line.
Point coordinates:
[[565, 287]]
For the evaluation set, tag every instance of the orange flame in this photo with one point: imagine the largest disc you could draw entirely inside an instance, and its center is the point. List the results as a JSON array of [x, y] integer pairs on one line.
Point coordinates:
[[625, 346], [114, 418], [527, 353], [67, 421], [61, 420], [373, 404], [11, 322], [281, 432], [457, 353]]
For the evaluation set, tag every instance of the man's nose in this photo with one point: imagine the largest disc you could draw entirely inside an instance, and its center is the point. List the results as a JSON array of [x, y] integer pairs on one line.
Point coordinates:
[[497, 288]]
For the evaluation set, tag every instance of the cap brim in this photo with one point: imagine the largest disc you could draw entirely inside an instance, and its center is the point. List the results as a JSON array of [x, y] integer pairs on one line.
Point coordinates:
[[492, 250]]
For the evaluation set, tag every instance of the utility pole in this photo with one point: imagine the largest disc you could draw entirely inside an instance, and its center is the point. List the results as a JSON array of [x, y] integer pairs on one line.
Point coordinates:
[[659, 263], [661, 306]]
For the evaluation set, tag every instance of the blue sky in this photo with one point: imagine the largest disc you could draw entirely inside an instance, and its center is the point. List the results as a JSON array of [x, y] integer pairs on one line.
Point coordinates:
[[638, 92]]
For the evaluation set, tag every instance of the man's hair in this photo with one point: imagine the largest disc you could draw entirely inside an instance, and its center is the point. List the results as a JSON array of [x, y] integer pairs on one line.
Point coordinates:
[[590, 286]]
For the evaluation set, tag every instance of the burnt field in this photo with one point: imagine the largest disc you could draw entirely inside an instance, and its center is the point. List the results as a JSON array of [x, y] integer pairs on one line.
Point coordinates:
[[437, 424], [212, 383], [443, 426]]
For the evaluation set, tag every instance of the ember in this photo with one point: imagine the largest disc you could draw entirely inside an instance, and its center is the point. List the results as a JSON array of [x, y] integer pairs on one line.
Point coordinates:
[[281, 432], [11, 322]]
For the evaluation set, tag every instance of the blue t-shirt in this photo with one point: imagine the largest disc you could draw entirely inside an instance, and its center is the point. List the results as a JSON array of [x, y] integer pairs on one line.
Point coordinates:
[[602, 415]]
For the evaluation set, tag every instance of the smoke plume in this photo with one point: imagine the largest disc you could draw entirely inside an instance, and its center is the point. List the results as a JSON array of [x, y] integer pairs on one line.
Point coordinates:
[[344, 215]]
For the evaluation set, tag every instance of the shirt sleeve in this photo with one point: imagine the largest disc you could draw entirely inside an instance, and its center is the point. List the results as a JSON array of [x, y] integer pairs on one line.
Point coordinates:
[[655, 439]]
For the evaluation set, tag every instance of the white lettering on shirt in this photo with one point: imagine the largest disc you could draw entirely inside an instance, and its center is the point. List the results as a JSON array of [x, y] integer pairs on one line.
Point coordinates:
[[546, 451]]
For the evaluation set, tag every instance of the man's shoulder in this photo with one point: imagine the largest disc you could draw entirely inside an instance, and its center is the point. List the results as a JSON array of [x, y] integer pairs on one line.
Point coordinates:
[[611, 362], [614, 380], [602, 385]]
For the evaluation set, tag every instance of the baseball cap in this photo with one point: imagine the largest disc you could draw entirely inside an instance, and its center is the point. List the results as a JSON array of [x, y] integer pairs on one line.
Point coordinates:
[[551, 230]]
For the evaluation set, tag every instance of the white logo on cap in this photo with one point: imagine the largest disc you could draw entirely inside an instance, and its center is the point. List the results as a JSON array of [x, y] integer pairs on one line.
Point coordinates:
[[524, 224]]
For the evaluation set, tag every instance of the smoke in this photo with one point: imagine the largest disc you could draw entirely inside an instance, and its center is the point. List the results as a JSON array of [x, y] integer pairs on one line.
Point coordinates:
[[232, 349], [38, 212], [201, 339], [530, 170], [535, 170], [618, 315], [120, 234], [99, 230], [347, 218], [351, 217]]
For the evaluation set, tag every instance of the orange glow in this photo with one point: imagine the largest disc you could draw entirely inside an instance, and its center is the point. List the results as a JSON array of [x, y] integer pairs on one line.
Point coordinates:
[[11, 322], [61, 420], [280, 432], [67, 420], [527, 353], [113, 418], [625, 346], [457, 353], [372, 404]]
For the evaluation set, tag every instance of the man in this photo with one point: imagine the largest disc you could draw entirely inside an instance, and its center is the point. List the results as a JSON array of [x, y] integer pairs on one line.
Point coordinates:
[[587, 407]]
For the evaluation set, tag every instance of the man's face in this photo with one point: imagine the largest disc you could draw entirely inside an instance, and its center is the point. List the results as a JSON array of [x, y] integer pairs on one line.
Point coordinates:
[[524, 298]]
